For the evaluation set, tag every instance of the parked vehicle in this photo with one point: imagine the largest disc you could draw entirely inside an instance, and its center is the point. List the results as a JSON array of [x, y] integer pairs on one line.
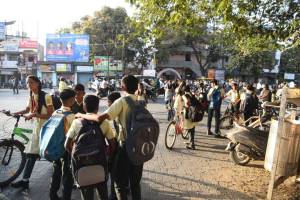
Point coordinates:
[[247, 143]]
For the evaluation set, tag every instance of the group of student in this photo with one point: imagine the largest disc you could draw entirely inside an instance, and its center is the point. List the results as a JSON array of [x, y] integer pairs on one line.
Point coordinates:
[[125, 176]]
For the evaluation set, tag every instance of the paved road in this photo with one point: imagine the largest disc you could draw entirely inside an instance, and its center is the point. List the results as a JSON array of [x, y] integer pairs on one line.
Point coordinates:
[[206, 173]]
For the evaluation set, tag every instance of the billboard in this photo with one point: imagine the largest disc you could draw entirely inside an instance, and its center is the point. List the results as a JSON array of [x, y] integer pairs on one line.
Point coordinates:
[[106, 63], [2, 30], [28, 44], [67, 47], [63, 67]]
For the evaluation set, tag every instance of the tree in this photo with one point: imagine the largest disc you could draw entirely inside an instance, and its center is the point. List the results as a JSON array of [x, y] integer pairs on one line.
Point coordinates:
[[290, 60]]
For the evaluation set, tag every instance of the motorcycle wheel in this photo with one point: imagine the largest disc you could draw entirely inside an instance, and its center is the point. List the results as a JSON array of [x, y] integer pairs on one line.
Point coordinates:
[[239, 158]]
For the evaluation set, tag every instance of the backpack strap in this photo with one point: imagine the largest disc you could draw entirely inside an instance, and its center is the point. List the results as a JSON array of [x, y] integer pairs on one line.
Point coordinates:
[[131, 103]]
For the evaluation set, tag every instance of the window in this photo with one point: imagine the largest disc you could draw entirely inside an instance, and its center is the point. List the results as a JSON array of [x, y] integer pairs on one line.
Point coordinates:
[[188, 57], [13, 57]]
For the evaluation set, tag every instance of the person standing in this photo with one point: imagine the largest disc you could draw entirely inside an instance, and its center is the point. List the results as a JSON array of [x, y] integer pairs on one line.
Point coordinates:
[[62, 84], [40, 108], [215, 96], [249, 102], [16, 85], [235, 99], [78, 105]]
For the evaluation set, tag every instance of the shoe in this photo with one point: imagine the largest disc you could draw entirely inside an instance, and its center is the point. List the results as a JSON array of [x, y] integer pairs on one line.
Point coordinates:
[[209, 133], [21, 184], [192, 147], [217, 136]]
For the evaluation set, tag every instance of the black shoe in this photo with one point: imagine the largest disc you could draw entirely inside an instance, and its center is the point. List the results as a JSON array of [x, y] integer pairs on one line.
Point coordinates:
[[192, 147], [209, 133], [21, 184], [217, 136]]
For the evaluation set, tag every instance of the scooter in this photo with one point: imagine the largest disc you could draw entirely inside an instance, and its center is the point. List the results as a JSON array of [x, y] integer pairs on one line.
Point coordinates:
[[247, 143]]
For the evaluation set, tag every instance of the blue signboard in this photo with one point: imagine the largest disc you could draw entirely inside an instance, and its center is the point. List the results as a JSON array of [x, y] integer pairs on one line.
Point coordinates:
[[67, 47], [2, 30]]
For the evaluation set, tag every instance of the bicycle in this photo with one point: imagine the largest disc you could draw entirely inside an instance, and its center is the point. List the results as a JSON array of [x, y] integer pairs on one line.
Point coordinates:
[[171, 110], [174, 128], [12, 156]]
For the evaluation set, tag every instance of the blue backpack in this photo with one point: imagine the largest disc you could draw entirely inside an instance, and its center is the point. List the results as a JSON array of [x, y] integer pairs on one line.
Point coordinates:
[[52, 137]]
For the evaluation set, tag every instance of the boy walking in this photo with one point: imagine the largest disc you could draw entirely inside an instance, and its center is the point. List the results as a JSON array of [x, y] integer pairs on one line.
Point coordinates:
[[61, 168]]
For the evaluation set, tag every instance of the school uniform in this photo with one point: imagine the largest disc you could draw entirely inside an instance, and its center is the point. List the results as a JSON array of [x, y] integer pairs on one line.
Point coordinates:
[[108, 133], [62, 168], [125, 172]]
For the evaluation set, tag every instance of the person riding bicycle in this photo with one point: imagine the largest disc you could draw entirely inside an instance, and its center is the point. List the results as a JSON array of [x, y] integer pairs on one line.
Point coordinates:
[[235, 99], [40, 107]]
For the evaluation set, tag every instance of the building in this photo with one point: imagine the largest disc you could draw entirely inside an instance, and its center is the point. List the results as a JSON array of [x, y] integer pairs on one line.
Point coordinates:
[[18, 56], [182, 62]]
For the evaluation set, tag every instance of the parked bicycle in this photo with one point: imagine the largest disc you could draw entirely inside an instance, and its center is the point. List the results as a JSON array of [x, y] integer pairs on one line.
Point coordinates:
[[175, 128], [12, 156]]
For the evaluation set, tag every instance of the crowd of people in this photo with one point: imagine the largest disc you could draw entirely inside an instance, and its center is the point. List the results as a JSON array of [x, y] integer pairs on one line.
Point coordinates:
[[125, 176]]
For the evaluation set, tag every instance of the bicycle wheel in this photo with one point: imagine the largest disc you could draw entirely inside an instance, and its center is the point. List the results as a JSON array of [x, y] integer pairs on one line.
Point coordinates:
[[12, 161], [170, 136]]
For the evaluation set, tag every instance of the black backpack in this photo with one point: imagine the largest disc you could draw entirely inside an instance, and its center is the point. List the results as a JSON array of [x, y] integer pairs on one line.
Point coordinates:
[[142, 133], [195, 111], [88, 158], [56, 101]]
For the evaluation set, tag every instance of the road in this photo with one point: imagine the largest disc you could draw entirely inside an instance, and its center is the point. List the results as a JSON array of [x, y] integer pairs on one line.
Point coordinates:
[[206, 173]]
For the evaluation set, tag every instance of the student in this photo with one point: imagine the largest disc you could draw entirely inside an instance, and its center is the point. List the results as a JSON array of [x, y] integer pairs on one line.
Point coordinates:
[[124, 170], [91, 106], [78, 105], [61, 168], [62, 84], [41, 108], [141, 94], [112, 97]]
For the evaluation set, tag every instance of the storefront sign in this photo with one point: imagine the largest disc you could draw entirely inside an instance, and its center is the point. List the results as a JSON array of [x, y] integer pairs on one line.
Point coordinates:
[[84, 68], [28, 44], [47, 68], [64, 67], [14, 47], [289, 76]]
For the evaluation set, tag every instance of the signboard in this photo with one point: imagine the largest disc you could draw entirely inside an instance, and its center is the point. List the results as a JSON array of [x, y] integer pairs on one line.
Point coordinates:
[[2, 30], [64, 67], [28, 44], [67, 47], [149, 72], [289, 76], [84, 68], [12, 47], [107, 63], [220, 75], [47, 68]]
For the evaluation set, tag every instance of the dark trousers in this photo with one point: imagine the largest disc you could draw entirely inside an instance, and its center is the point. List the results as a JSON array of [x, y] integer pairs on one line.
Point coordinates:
[[214, 112], [127, 174], [192, 136], [16, 89], [62, 173], [31, 158], [88, 193]]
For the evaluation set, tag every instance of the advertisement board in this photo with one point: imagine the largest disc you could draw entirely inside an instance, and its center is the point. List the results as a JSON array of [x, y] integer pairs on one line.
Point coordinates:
[[47, 68], [84, 68], [220, 75], [2, 30], [67, 47], [149, 72], [11, 47], [211, 74], [107, 63], [28, 44], [63, 67], [289, 76]]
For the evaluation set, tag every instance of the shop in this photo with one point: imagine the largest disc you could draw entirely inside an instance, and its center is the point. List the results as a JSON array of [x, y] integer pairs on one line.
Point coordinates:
[[84, 74], [46, 73], [65, 70]]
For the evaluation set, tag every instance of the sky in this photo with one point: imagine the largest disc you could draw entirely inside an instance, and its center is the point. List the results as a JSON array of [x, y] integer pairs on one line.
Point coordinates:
[[39, 17]]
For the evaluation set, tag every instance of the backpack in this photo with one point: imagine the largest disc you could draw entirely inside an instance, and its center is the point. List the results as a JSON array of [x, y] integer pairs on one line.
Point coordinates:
[[142, 133], [56, 101], [88, 158], [52, 136], [195, 111], [216, 100]]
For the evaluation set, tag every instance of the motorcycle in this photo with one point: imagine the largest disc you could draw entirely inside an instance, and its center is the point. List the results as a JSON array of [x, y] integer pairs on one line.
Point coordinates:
[[247, 143]]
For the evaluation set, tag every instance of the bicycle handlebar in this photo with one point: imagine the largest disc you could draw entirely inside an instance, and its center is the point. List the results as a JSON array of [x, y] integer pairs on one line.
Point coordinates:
[[7, 113]]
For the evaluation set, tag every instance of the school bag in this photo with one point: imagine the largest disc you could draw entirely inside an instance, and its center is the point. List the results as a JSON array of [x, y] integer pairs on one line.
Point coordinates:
[[195, 111], [88, 158], [142, 133], [52, 136], [55, 100]]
